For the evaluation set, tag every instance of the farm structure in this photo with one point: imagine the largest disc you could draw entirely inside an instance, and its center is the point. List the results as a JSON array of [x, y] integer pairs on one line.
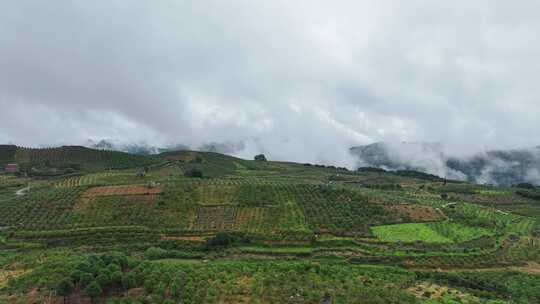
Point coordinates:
[[11, 168]]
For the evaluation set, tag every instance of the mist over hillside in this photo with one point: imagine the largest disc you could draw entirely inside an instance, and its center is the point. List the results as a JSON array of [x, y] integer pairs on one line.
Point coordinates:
[[144, 148], [140, 148], [501, 167]]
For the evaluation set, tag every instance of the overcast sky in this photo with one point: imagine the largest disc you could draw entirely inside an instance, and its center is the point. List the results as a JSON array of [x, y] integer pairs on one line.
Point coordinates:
[[298, 80]]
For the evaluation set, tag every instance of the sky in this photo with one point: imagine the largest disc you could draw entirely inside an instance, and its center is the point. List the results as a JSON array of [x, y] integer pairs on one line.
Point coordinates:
[[296, 80]]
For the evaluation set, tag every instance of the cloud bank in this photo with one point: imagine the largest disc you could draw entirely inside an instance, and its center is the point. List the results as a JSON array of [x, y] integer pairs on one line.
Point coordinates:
[[499, 167], [297, 80]]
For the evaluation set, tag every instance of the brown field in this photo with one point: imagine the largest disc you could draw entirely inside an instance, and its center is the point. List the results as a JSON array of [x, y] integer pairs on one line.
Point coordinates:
[[416, 212], [89, 204], [122, 190]]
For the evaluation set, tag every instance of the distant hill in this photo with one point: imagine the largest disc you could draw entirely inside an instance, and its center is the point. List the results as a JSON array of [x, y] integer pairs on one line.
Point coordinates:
[[65, 159], [503, 167], [143, 148], [133, 148]]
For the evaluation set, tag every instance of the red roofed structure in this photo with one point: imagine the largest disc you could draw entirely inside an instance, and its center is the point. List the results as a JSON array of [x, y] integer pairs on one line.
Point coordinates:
[[12, 168]]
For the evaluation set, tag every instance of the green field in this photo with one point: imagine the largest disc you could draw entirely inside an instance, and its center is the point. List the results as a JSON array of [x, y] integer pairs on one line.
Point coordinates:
[[428, 232], [108, 227]]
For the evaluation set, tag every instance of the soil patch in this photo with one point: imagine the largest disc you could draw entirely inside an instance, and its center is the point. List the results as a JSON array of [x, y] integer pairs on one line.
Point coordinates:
[[416, 212]]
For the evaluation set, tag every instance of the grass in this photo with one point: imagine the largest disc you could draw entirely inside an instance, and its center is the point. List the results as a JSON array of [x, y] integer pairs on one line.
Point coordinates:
[[441, 232], [410, 232], [297, 229]]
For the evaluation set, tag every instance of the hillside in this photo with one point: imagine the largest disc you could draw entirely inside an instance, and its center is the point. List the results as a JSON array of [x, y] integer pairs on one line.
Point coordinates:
[[69, 159], [203, 227]]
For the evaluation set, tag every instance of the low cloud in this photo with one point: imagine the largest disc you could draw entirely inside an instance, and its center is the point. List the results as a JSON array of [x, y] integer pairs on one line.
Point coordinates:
[[296, 80], [488, 167]]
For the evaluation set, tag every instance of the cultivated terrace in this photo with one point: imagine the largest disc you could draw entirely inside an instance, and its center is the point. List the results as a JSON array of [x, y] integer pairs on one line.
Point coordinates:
[[87, 226]]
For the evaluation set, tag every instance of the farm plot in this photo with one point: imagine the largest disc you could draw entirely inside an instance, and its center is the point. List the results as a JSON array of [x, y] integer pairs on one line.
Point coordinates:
[[442, 232], [122, 190], [4, 178], [85, 180], [215, 194], [505, 200], [339, 211], [120, 210], [249, 192], [214, 218], [246, 193], [233, 218], [481, 216], [416, 213], [42, 208], [251, 219]]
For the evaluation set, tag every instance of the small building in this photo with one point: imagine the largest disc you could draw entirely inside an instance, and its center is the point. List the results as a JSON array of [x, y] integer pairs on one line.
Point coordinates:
[[12, 168]]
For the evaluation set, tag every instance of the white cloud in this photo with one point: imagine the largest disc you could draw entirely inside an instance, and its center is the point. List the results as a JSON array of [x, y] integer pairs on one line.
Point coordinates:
[[301, 80]]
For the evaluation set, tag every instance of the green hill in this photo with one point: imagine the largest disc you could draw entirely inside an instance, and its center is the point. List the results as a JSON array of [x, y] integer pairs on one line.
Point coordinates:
[[70, 159], [203, 227]]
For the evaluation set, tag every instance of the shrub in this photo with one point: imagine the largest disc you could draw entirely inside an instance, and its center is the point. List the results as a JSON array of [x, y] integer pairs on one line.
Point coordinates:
[[525, 186], [535, 195], [197, 160], [104, 278], [129, 281], [64, 288], [260, 157], [86, 278], [419, 175], [93, 289], [370, 169], [195, 173], [222, 239], [154, 253]]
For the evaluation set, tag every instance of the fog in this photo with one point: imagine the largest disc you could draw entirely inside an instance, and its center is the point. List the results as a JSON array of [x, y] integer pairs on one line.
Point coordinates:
[[498, 167], [296, 80]]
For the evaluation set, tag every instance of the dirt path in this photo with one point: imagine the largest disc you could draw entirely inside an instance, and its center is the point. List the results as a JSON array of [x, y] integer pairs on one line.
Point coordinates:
[[22, 191]]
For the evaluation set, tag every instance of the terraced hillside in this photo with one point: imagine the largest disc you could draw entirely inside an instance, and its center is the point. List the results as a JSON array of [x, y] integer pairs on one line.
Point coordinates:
[[193, 227], [69, 160]]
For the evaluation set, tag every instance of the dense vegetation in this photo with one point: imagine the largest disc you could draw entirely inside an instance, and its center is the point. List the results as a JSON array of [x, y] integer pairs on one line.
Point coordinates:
[[193, 227], [69, 160]]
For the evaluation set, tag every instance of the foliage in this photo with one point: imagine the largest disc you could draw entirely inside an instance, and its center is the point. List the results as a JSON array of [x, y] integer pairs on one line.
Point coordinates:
[[522, 288], [525, 186], [428, 232], [7, 154], [535, 195], [371, 169], [64, 288], [418, 175], [196, 173], [77, 157], [253, 231], [221, 239], [93, 289], [260, 157]]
